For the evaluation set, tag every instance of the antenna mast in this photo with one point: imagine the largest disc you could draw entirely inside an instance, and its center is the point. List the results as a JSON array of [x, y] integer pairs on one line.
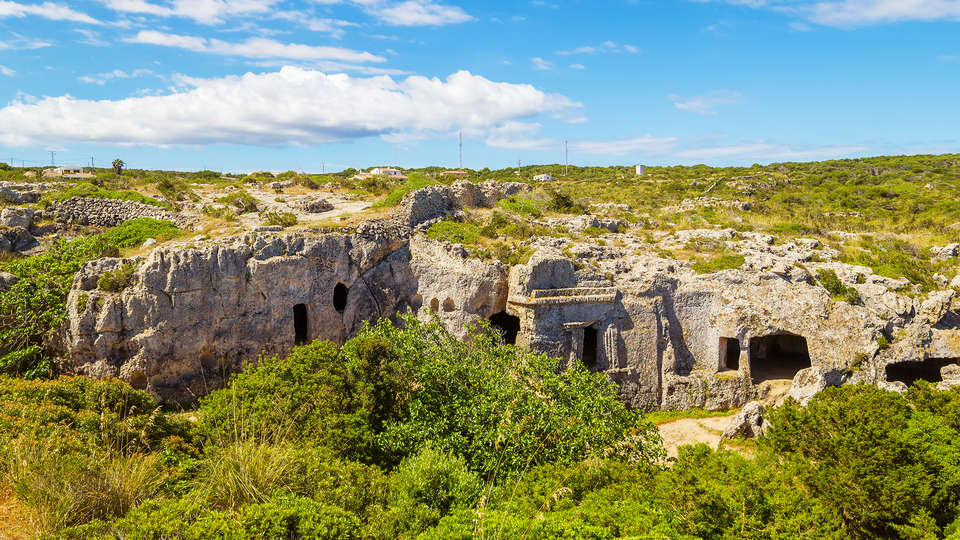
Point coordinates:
[[566, 158], [460, 167]]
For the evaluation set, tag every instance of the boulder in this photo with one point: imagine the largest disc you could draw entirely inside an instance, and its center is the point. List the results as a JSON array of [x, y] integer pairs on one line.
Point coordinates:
[[18, 239], [17, 217], [811, 381], [314, 205], [748, 423], [7, 280]]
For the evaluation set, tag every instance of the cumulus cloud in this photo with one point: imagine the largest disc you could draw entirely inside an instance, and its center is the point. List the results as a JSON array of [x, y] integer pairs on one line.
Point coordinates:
[[705, 104], [253, 48], [289, 107], [7, 72], [46, 10]]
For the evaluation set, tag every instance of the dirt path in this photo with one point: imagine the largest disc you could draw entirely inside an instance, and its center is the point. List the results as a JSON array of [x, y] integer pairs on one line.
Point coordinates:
[[692, 431]]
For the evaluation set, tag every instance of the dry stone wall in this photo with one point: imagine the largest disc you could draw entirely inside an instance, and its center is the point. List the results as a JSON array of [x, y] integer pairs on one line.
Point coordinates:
[[110, 212]]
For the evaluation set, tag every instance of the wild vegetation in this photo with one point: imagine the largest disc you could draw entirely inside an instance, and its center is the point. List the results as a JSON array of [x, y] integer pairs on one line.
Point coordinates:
[[407, 432]]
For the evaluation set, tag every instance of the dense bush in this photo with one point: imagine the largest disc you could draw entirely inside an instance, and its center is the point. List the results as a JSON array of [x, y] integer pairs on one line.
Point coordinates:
[[836, 288], [391, 390], [35, 306]]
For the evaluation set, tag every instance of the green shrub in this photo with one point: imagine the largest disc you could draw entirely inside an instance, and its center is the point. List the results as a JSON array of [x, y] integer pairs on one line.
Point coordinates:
[[241, 201], [219, 212], [283, 219], [454, 232], [135, 232], [413, 183], [280, 517], [244, 472], [836, 288], [114, 281], [563, 203], [425, 488], [522, 206], [718, 264]]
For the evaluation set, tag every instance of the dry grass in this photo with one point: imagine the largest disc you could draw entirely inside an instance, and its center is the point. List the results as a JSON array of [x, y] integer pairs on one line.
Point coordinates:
[[17, 521]]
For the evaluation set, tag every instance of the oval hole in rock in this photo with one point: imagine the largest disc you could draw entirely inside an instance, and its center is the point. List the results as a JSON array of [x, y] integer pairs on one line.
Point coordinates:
[[340, 293], [138, 380], [435, 305], [448, 305]]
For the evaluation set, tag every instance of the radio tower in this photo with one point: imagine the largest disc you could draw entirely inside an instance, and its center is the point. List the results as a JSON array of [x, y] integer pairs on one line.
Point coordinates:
[[460, 167], [566, 158]]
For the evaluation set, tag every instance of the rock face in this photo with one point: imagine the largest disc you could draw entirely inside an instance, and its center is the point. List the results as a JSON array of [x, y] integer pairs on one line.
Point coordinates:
[[671, 339], [315, 206], [110, 212]]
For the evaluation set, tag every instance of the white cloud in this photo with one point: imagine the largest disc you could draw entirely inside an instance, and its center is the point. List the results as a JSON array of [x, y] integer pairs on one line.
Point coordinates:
[[705, 104], [46, 10], [7, 72], [201, 11], [103, 78], [541, 64], [290, 107], [19, 42], [253, 48], [607, 47], [769, 152], [90, 37], [647, 144], [577, 66], [853, 13], [417, 13], [402, 13]]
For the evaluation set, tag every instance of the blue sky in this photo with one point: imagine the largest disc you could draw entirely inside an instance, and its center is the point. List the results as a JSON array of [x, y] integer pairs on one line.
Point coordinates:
[[241, 85]]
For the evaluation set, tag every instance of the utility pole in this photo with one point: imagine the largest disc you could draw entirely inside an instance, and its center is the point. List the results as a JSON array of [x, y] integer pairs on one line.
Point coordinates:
[[519, 171], [323, 167], [53, 156], [91, 162], [460, 166], [566, 158]]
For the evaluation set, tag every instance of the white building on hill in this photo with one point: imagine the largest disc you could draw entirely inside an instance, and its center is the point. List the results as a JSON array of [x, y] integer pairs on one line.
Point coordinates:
[[546, 177]]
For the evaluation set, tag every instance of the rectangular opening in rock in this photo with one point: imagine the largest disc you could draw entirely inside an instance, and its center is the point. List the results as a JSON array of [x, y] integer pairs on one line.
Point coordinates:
[[777, 357], [590, 347], [508, 325], [729, 354], [911, 372], [300, 324]]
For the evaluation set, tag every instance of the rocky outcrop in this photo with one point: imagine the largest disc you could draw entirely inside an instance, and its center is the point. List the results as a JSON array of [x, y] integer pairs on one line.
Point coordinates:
[[671, 338], [748, 423], [314, 205], [432, 203], [110, 212]]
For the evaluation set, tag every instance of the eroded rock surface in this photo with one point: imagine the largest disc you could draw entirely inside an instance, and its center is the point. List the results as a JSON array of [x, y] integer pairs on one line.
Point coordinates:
[[671, 338]]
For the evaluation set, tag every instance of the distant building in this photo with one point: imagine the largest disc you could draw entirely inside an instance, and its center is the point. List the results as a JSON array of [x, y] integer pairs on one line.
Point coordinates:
[[70, 173], [547, 177], [458, 173], [396, 174], [641, 170]]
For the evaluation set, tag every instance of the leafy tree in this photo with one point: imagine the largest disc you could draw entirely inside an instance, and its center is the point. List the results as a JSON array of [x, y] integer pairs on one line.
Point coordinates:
[[118, 165]]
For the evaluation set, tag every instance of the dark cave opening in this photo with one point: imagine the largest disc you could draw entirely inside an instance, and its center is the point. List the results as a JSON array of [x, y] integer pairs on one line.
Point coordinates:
[[729, 354], [301, 326], [911, 372], [340, 294], [508, 325], [590, 343], [779, 356]]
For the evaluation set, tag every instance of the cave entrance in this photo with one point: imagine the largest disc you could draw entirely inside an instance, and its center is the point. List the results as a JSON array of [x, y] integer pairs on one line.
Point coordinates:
[[301, 326], [508, 325], [911, 372], [340, 294], [778, 357], [729, 354], [590, 347]]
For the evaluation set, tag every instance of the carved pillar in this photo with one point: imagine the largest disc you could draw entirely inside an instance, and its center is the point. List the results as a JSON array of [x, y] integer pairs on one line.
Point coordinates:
[[610, 346], [576, 346]]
